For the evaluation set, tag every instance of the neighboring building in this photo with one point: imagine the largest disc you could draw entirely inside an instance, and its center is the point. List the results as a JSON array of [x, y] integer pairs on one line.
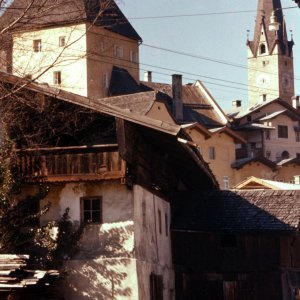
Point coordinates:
[[74, 47], [270, 56], [191, 106], [254, 183], [118, 177], [298, 2], [237, 245]]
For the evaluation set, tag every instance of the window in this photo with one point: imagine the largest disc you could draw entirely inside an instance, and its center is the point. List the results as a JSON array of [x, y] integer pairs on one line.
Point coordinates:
[[156, 287], [265, 62], [37, 45], [264, 97], [105, 81], [268, 154], [144, 213], [282, 131], [297, 136], [91, 209], [62, 41], [57, 77], [226, 183], [159, 221], [133, 56], [268, 134], [262, 48], [249, 118], [211, 153], [167, 224], [118, 51]]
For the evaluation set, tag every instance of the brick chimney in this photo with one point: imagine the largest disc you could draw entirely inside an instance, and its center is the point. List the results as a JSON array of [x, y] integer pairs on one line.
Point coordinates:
[[177, 97], [148, 76]]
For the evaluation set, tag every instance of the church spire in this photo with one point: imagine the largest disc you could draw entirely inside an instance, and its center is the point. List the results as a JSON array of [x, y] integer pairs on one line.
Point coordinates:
[[265, 10], [270, 56]]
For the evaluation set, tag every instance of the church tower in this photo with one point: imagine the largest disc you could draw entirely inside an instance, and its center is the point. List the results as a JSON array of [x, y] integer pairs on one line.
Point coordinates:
[[270, 56]]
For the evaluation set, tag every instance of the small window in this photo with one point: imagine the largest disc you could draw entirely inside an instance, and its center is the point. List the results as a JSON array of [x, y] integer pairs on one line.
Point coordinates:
[[249, 118], [159, 222], [91, 209], [268, 134], [62, 41], [133, 56], [268, 154], [297, 136], [57, 77], [118, 51], [156, 287], [167, 224], [262, 49], [226, 183], [144, 213], [282, 131], [264, 97], [37, 45], [105, 81], [211, 153]]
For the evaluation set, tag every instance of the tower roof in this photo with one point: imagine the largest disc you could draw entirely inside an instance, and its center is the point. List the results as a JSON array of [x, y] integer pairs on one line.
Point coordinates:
[[47, 13], [265, 9]]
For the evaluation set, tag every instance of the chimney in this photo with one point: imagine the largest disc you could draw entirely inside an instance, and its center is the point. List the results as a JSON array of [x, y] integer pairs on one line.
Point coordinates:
[[296, 102], [177, 97], [236, 103], [148, 76]]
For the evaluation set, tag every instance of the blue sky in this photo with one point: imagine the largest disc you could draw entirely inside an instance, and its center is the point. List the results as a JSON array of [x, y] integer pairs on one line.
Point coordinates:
[[220, 37]]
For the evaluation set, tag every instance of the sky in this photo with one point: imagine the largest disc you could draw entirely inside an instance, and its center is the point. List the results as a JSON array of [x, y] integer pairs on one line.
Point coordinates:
[[206, 39]]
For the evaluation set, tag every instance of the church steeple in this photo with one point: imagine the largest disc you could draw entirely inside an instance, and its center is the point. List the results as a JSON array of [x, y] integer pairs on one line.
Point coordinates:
[[270, 56]]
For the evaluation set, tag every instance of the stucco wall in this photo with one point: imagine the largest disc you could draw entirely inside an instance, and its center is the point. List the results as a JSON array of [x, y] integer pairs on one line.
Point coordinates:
[[152, 246], [71, 60], [253, 169], [101, 58], [224, 154]]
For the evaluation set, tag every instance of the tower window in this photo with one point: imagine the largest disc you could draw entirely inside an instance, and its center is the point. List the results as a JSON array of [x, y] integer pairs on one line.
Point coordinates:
[[262, 48]]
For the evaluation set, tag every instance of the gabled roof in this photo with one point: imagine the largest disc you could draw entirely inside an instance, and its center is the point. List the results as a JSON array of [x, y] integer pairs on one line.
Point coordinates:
[[258, 183], [264, 11], [288, 161], [228, 131], [239, 164], [49, 13], [251, 109], [237, 212], [196, 105]]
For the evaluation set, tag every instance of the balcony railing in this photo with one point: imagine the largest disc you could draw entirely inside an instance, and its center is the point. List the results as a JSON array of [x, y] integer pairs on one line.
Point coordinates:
[[58, 166]]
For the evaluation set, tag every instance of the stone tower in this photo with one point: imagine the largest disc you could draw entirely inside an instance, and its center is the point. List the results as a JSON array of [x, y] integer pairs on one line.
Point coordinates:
[[270, 56]]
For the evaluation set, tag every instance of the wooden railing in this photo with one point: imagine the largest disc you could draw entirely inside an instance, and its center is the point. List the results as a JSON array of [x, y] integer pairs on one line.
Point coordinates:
[[57, 166]]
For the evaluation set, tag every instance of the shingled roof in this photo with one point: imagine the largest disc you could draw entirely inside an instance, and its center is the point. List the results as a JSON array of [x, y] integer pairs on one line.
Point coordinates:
[[48, 13], [237, 212]]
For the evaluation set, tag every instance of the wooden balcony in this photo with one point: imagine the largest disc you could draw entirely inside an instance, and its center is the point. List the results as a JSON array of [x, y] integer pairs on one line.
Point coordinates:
[[71, 164]]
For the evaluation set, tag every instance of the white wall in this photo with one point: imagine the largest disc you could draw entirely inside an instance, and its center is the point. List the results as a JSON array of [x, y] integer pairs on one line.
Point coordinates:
[[71, 60], [152, 248]]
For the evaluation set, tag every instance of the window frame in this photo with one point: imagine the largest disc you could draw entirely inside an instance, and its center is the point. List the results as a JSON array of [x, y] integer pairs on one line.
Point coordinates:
[[57, 78], [37, 45], [91, 210], [212, 153], [283, 131], [62, 41]]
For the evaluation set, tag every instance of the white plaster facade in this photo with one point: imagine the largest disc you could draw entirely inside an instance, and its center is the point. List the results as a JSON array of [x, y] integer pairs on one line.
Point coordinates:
[[117, 256], [84, 59]]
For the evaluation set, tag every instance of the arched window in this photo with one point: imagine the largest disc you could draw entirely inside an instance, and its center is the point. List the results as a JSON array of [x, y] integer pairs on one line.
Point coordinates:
[[262, 49]]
